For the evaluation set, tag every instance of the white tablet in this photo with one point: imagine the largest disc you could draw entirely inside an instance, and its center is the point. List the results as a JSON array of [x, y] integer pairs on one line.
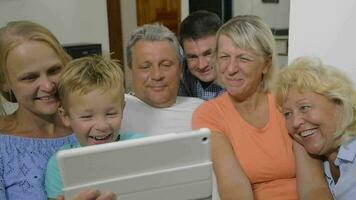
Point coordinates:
[[175, 166]]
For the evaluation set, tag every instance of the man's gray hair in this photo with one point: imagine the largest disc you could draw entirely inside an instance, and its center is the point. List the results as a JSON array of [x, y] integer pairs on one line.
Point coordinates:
[[153, 32]]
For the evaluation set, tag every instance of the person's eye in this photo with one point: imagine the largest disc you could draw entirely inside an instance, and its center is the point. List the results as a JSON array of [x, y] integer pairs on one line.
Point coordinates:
[[112, 114], [55, 70], [191, 57], [85, 116], [208, 53], [29, 78], [166, 64], [245, 59], [144, 66], [305, 108], [287, 114], [224, 57]]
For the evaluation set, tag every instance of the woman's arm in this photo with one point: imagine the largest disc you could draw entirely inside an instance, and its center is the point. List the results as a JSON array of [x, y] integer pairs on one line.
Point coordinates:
[[311, 181], [232, 182]]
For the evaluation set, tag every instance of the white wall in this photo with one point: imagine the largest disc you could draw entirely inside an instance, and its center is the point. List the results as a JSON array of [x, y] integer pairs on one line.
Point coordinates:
[[184, 9], [129, 24], [324, 28], [72, 21], [276, 15]]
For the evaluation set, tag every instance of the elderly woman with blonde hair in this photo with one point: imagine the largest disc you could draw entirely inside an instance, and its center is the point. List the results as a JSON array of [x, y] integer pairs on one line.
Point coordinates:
[[319, 105]]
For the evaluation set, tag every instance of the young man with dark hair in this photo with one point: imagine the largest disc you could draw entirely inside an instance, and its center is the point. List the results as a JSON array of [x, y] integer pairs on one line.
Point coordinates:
[[197, 37]]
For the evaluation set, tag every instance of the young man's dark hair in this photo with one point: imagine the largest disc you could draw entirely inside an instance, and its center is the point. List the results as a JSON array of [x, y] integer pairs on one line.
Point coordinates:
[[197, 37], [199, 24]]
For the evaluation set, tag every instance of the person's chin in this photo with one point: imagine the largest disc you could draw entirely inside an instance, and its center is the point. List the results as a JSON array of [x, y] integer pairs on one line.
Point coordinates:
[[209, 77], [313, 146], [160, 101], [158, 89], [47, 110]]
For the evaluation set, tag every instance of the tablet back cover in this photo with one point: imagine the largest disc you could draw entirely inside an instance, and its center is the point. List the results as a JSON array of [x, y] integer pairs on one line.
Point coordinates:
[[171, 166]]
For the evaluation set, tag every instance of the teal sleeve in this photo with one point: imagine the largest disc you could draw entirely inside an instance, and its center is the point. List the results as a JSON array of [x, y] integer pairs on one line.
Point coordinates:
[[130, 135], [53, 180]]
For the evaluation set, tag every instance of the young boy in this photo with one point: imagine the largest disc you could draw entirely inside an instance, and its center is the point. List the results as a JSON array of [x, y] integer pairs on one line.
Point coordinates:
[[91, 91]]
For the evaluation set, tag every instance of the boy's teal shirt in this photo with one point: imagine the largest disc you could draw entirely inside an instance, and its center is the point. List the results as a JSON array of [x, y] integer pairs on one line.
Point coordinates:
[[53, 180]]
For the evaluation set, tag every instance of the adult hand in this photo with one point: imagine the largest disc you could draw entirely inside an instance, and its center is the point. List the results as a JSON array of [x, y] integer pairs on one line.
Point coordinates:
[[92, 194]]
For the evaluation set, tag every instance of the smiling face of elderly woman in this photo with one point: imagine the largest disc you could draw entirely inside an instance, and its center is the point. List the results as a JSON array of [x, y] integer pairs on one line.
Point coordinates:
[[318, 102], [312, 120]]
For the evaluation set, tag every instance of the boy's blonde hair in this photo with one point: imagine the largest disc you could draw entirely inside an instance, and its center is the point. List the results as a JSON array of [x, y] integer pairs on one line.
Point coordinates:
[[89, 73]]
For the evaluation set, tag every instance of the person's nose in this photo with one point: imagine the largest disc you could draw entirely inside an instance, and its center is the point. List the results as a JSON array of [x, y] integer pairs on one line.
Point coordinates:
[[47, 84], [232, 67], [203, 62], [297, 120], [157, 74], [101, 124]]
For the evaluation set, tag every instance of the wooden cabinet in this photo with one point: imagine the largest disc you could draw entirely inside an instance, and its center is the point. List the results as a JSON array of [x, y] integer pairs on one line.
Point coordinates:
[[166, 12]]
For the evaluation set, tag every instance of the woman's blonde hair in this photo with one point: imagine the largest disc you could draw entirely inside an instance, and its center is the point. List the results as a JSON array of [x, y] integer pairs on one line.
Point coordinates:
[[310, 74], [251, 33]]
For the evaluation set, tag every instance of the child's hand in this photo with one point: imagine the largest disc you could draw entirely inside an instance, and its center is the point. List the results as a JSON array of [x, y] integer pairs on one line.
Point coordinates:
[[92, 194]]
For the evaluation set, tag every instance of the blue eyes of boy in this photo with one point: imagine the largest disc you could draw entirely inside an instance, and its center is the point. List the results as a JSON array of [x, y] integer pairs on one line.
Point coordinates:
[[85, 116], [112, 114], [107, 114]]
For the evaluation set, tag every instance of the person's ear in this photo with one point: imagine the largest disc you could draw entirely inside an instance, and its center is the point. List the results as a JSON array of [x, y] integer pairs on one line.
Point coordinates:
[[268, 64], [64, 116]]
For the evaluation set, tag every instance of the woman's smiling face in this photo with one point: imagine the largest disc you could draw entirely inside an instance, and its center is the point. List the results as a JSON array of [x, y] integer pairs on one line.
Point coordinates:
[[312, 120], [239, 70], [33, 70]]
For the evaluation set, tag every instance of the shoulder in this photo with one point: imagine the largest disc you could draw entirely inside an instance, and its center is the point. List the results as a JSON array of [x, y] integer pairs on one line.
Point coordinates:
[[347, 150], [131, 99], [133, 103], [215, 103]]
